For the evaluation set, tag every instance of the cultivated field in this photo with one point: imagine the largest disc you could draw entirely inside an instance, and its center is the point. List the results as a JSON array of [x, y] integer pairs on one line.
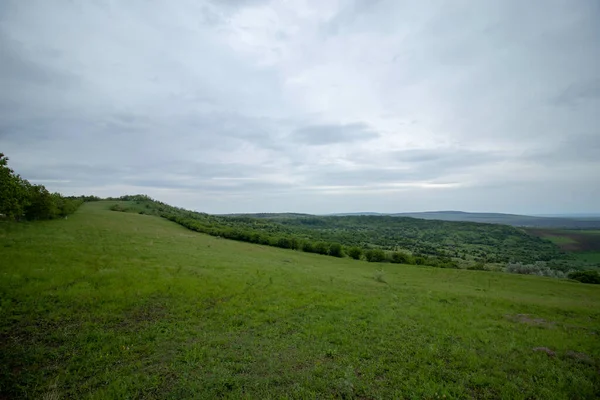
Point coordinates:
[[121, 305], [571, 240]]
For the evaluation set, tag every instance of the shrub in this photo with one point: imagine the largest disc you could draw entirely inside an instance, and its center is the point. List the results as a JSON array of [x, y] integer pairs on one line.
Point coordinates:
[[447, 263], [308, 247], [335, 250], [355, 252], [477, 267], [294, 245], [284, 243], [321, 248], [399, 257], [117, 207], [379, 276], [592, 277], [375, 255], [420, 260], [539, 268]]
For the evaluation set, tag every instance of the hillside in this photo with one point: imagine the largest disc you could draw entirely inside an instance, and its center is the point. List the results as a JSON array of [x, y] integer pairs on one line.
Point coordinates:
[[121, 305], [448, 244], [500, 218]]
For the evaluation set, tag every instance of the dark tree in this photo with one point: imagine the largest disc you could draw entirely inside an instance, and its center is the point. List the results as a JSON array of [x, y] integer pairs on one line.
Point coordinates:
[[335, 250], [355, 252]]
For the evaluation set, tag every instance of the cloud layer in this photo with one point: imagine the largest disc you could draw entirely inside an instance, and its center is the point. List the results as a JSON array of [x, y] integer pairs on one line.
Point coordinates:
[[308, 106]]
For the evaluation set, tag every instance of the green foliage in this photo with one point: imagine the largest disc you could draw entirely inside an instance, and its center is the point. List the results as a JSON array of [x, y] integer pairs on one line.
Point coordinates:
[[442, 244], [355, 252], [443, 262], [118, 207], [19, 199], [420, 260], [477, 267], [335, 250], [399, 257], [321, 248], [284, 243], [13, 193], [375, 255], [41, 205], [585, 276], [308, 247], [539, 268]]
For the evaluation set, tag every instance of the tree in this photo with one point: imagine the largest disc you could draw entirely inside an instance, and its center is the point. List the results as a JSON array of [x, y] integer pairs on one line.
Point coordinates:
[[375, 255], [335, 250], [20, 199], [321, 248], [420, 260], [284, 243], [355, 252], [308, 247], [41, 204], [399, 257], [585, 276], [13, 193]]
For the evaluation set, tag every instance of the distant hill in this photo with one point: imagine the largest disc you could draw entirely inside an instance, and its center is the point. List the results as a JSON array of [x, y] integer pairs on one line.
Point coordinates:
[[499, 218], [266, 215]]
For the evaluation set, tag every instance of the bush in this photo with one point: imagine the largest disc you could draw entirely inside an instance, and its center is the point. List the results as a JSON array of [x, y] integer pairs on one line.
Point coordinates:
[[399, 257], [284, 243], [420, 260], [477, 267], [375, 255], [592, 277], [294, 244], [355, 252], [19, 199], [539, 268], [321, 248], [335, 250], [308, 247], [379, 276], [449, 264]]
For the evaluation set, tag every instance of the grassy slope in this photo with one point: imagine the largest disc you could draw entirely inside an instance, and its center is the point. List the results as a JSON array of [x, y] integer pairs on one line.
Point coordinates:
[[465, 243], [116, 305]]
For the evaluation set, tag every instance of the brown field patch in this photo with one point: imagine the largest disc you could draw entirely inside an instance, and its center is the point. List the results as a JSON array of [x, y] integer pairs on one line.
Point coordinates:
[[570, 240]]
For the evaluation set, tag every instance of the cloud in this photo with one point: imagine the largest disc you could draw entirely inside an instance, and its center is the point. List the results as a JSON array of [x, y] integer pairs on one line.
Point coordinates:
[[309, 106], [580, 92], [332, 134]]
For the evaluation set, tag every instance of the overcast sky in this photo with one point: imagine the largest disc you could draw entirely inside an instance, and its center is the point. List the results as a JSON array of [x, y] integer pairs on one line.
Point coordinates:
[[307, 106]]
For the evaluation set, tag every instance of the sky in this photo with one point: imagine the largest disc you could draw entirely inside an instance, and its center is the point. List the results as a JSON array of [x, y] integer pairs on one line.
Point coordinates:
[[318, 106]]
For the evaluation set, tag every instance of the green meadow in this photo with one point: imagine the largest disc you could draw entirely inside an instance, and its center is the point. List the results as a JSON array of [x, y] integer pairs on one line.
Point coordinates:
[[112, 305]]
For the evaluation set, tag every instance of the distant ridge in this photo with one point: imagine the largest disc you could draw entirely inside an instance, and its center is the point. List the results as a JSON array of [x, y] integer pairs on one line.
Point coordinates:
[[574, 222]]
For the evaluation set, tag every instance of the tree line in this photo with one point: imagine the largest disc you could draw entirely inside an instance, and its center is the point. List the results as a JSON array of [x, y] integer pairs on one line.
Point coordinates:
[[268, 233], [413, 241], [22, 200]]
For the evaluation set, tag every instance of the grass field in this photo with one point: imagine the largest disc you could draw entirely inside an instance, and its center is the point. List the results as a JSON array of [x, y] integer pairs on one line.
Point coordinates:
[[117, 305]]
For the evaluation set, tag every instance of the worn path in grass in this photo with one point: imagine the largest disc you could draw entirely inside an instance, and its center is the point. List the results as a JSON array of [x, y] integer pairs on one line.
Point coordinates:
[[116, 305]]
